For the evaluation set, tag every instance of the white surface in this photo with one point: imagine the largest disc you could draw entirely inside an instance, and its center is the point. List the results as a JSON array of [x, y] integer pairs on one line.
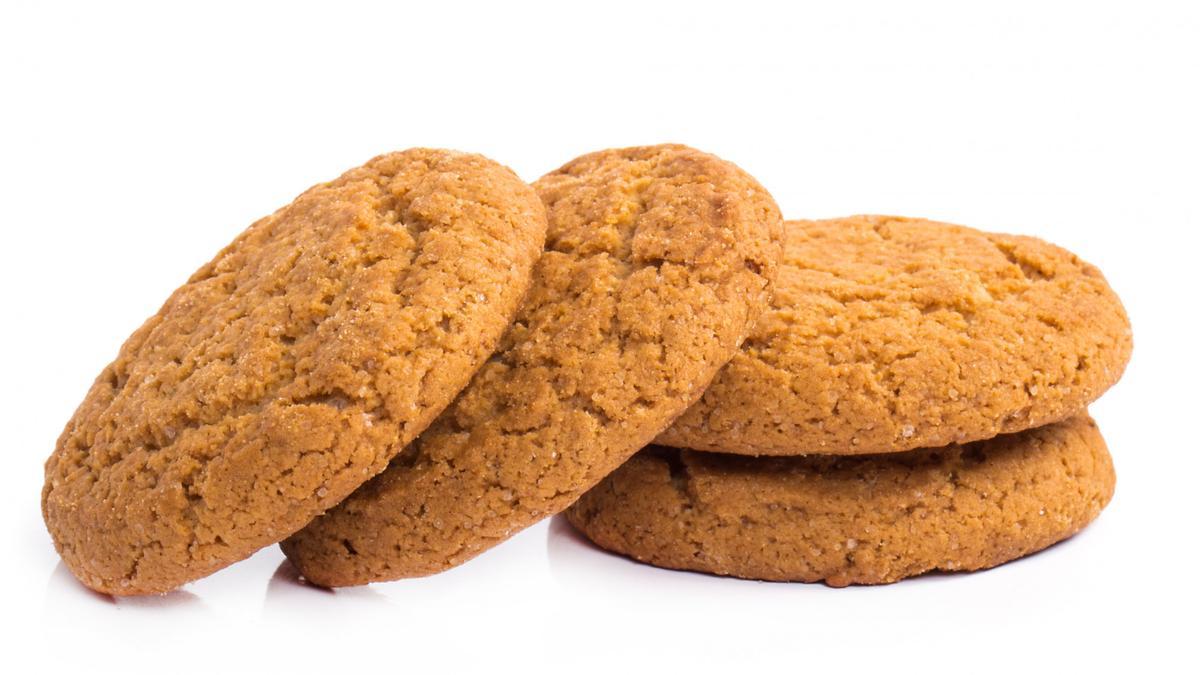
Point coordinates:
[[135, 141]]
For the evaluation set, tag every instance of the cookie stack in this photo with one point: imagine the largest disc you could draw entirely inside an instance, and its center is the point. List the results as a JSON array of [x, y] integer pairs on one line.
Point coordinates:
[[914, 400], [409, 364]]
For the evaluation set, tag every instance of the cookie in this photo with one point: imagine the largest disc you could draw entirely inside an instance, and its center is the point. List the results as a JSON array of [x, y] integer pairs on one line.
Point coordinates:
[[289, 369], [888, 334], [658, 260], [853, 520]]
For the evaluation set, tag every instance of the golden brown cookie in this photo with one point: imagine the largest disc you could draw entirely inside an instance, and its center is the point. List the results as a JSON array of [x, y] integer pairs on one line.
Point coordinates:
[[853, 520], [289, 369], [658, 260], [887, 334]]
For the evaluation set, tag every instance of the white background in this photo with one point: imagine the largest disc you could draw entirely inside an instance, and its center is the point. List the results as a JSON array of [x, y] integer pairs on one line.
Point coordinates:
[[135, 141]]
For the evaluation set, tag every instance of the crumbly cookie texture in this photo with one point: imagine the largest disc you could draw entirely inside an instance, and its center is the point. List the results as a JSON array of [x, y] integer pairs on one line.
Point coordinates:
[[853, 520], [289, 369], [888, 334], [658, 261]]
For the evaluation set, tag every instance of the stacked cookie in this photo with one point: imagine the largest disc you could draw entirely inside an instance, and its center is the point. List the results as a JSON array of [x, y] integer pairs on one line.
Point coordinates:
[[915, 399], [409, 364]]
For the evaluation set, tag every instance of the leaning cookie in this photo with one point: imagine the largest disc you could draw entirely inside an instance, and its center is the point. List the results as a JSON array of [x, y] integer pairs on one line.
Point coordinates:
[[853, 520], [289, 369], [888, 334], [658, 261]]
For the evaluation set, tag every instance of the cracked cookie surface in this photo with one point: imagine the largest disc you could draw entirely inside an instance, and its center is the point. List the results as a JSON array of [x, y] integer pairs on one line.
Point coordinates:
[[887, 334], [658, 260], [853, 520], [290, 369]]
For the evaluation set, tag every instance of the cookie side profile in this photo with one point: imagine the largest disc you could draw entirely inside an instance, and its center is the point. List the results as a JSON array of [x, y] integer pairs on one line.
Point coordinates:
[[888, 334], [289, 369], [853, 520], [658, 260]]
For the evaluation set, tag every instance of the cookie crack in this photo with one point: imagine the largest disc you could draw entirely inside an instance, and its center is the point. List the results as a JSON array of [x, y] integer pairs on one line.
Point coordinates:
[[1030, 270]]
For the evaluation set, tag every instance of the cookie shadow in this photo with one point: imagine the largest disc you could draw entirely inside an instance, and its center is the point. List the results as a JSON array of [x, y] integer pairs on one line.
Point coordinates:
[[563, 539], [939, 576], [287, 579], [288, 586], [63, 585]]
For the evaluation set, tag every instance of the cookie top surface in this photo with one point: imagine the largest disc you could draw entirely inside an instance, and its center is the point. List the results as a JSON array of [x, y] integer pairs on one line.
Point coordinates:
[[853, 520], [290, 369], [658, 260], [887, 334]]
